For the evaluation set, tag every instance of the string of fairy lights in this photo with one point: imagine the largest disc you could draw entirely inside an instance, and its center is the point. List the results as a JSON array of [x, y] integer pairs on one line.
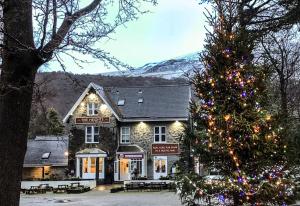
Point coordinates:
[[235, 121]]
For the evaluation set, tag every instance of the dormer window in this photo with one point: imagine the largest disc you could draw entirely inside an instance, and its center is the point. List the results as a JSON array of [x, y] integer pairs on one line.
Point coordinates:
[[92, 108], [121, 102]]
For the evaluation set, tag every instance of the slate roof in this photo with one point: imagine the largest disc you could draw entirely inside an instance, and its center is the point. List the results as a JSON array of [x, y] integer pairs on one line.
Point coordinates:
[[170, 101], [163, 102], [130, 149], [55, 145], [91, 151]]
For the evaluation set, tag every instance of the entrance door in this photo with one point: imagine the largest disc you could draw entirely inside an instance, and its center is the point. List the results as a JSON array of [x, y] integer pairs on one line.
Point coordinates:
[[124, 169], [160, 167], [89, 168]]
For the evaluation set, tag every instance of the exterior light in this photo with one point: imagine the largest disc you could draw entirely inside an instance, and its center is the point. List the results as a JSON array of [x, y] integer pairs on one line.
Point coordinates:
[[103, 107], [66, 153], [92, 96]]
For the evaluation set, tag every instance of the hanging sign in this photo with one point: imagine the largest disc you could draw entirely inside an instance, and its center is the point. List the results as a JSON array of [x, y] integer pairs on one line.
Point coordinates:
[[165, 149], [91, 120], [131, 156]]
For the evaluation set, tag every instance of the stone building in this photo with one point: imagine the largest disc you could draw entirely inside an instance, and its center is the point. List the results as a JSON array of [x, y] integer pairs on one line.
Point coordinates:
[[46, 158], [118, 134]]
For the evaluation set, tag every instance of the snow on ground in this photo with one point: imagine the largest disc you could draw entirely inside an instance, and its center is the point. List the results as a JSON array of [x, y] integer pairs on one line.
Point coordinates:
[[99, 197]]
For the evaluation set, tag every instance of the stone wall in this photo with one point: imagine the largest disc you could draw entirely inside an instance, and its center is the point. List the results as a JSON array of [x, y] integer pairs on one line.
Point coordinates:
[[142, 134], [108, 132]]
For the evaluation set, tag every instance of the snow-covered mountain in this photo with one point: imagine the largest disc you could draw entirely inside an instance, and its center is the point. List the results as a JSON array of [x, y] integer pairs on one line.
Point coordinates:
[[168, 69]]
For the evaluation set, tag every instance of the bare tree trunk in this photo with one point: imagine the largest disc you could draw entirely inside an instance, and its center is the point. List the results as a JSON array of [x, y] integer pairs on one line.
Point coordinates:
[[20, 63], [14, 117], [283, 97]]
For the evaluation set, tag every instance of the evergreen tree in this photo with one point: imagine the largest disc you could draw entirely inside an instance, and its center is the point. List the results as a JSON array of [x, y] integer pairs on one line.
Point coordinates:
[[233, 133], [55, 126]]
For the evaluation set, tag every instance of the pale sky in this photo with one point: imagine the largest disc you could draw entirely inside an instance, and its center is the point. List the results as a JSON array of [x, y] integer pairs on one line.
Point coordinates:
[[173, 28]]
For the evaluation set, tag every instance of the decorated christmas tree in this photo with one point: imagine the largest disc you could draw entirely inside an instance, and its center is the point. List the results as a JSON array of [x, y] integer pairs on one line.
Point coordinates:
[[233, 134]]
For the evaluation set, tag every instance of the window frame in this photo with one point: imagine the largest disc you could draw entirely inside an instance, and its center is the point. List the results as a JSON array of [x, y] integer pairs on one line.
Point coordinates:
[[93, 109], [160, 134], [121, 135], [92, 134]]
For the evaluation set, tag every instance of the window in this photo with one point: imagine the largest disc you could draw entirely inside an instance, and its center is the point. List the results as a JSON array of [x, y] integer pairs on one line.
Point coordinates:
[[93, 165], [160, 134], [125, 135], [101, 164], [140, 100], [92, 108], [121, 102], [136, 167], [85, 165], [92, 134], [160, 165]]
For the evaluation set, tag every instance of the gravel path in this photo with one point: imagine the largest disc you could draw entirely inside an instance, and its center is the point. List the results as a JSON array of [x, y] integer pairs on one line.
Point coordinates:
[[102, 198]]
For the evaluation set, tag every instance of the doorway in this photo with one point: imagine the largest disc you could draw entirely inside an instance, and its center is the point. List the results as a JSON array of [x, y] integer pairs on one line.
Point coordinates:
[[124, 169]]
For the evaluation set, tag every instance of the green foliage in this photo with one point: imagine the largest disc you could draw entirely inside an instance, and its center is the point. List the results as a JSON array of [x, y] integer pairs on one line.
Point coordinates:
[[233, 133], [55, 126], [45, 123]]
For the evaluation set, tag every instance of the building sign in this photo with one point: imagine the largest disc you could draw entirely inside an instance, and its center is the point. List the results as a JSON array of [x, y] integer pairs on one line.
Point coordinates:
[[165, 149], [131, 156], [91, 120]]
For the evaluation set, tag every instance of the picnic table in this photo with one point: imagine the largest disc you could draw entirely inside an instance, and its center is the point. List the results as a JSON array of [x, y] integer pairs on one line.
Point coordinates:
[[149, 186], [77, 188], [61, 189], [42, 188]]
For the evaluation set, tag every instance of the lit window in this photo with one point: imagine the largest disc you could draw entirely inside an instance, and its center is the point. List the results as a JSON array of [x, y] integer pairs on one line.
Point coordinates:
[[93, 165], [141, 100], [92, 108], [85, 165], [91, 134], [46, 155], [125, 135], [160, 134], [121, 102], [160, 165], [101, 164]]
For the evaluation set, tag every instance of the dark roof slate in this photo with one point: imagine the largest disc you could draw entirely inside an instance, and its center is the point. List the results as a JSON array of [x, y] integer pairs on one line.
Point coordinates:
[[129, 148], [55, 145], [170, 101]]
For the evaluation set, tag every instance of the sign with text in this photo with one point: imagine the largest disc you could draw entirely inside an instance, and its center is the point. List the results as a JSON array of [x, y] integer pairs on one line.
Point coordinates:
[[91, 120], [165, 149], [131, 156]]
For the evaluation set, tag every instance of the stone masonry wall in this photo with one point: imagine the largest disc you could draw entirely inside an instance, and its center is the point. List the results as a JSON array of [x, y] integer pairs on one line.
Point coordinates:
[[142, 134]]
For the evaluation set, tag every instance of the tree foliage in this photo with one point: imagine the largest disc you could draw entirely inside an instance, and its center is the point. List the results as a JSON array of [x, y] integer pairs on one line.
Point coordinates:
[[235, 134]]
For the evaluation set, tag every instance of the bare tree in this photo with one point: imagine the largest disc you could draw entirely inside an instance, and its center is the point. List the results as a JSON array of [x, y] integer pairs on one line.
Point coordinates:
[[281, 51], [35, 32], [262, 16]]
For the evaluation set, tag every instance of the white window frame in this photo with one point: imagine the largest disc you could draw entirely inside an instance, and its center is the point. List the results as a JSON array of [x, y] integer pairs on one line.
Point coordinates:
[[92, 134], [121, 136], [160, 134], [94, 108]]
